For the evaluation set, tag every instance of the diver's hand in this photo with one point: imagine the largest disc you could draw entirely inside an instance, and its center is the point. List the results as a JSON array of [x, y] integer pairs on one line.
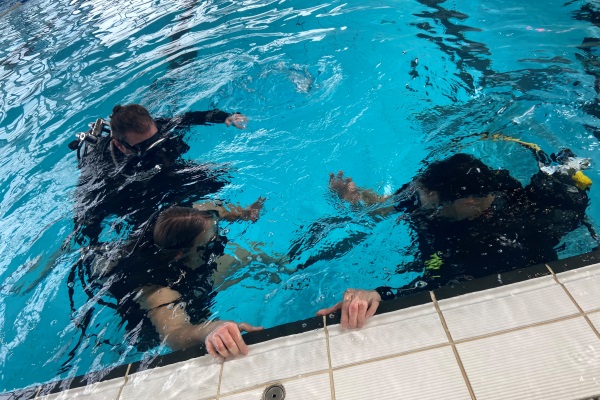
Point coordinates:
[[252, 212], [226, 339], [357, 307], [345, 188], [238, 120]]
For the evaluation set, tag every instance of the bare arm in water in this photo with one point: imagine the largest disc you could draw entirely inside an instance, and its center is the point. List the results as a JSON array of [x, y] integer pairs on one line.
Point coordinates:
[[346, 190], [234, 212], [221, 338]]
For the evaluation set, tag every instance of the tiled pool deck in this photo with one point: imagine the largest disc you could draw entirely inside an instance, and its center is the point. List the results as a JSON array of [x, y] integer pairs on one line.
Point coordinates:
[[528, 334]]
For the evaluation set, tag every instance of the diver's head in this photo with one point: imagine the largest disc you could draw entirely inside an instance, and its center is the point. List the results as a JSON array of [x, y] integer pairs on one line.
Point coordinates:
[[456, 188], [133, 129], [187, 232], [463, 175]]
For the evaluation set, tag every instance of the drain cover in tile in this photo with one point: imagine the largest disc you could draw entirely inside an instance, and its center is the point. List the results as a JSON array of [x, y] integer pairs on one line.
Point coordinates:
[[274, 392]]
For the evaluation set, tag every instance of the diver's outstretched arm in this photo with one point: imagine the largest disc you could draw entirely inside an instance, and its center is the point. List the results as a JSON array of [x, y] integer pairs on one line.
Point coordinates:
[[214, 117], [225, 274], [234, 212], [346, 189]]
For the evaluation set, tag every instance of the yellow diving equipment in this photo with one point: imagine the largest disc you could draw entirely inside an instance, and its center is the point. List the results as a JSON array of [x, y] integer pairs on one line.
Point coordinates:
[[570, 166], [581, 181]]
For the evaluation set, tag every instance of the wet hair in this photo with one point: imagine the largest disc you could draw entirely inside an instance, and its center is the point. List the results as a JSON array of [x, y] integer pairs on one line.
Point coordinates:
[[129, 118], [463, 175], [456, 177], [178, 227]]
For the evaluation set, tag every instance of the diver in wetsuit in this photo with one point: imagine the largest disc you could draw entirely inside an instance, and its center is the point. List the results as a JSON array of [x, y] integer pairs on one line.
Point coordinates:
[[164, 278], [472, 221], [130, 174], [139, 167]]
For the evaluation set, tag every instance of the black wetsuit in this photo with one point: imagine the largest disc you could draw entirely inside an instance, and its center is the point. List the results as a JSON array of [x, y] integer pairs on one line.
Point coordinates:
[[521, 228], [126, 192], [132, 188]]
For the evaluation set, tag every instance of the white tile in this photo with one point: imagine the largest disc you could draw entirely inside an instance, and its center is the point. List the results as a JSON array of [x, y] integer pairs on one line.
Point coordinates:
[[431, 374], [316, 387], [506, 307], [277, 359], [387, 334], [108, 390], [584, 286], [194, 379], [595, 318], [552, 362]]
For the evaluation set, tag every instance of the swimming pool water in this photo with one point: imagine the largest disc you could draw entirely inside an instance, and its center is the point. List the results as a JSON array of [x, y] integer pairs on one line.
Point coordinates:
[[375, 89]]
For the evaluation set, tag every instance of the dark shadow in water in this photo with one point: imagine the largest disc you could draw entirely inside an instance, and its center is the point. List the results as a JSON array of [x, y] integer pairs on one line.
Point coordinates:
[[33, 31], [527, 80], [187, 56], [314, 238], [463, 52]]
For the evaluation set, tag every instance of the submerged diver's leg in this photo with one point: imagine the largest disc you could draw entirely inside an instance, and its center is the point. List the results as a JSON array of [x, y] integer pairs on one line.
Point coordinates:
[[227, 266], [319, 231]]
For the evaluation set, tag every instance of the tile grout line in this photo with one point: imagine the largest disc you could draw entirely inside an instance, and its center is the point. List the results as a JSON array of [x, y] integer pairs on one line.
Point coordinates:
[[453, 345], [583, 313], [433, 347], [518, 328], [125, 379], [220, 379], [460, 341], [331, 382], [390, 356]]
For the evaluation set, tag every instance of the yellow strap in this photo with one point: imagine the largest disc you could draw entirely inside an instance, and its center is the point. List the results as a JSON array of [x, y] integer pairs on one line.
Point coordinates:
[[500, 136], [581, 181]]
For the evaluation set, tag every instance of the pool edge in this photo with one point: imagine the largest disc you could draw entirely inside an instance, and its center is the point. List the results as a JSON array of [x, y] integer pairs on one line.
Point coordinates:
[[309, 324]]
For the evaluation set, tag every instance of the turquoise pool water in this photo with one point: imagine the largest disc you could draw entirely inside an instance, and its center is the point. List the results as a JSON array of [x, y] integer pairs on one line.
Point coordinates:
[[374, 89]]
